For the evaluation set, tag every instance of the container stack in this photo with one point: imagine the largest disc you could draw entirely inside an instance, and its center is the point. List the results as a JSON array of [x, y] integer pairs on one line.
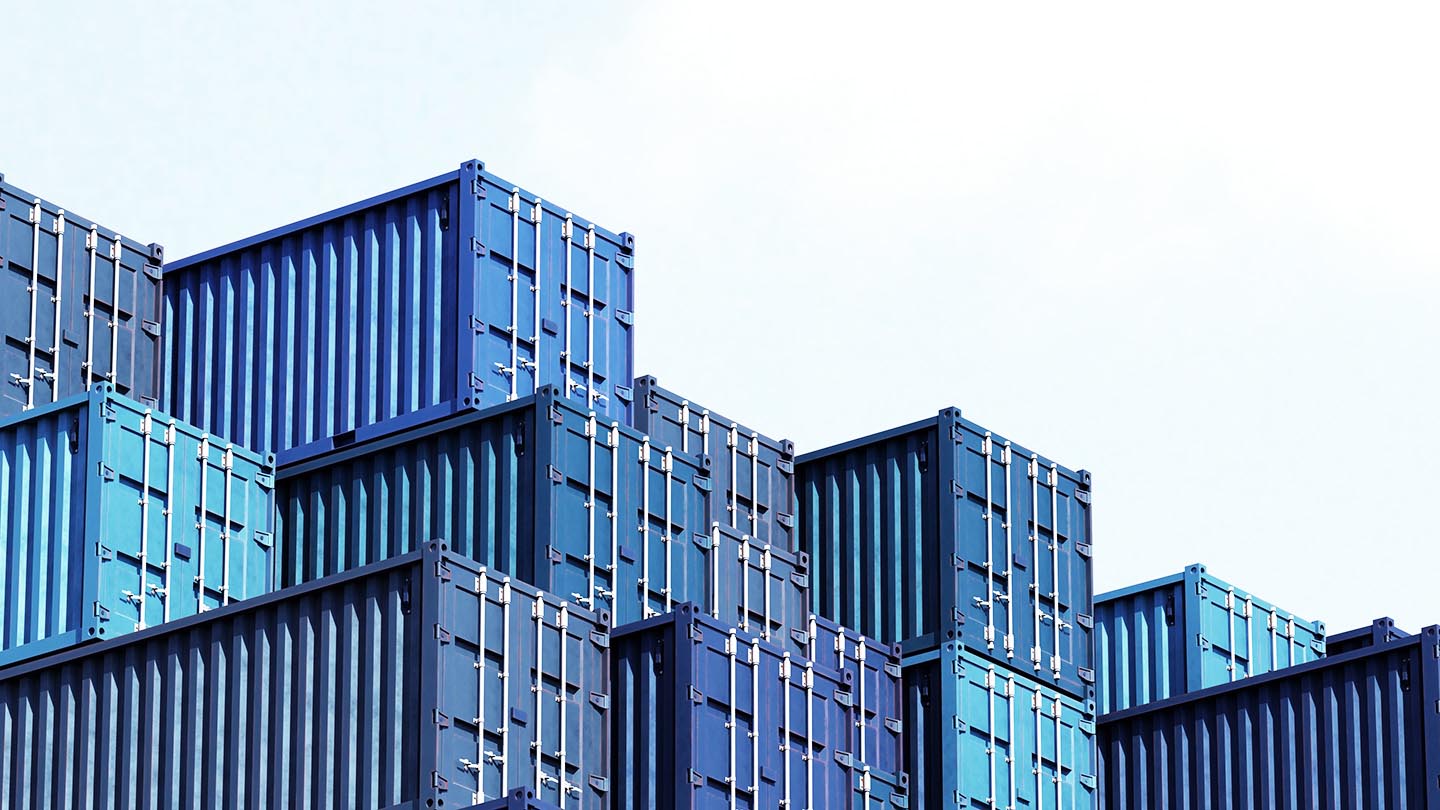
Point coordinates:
[[373, 511]]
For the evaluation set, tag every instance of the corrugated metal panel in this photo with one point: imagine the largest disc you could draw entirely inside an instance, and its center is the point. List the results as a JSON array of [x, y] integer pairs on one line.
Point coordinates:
[[707, 716], [1358, 731], [1380, 631], [78, 304], [556, 496], [941, 531], [877, 688], [982, 735], [754, 474], [115, 517], [396, 306], [1191, 631], [357, 691]]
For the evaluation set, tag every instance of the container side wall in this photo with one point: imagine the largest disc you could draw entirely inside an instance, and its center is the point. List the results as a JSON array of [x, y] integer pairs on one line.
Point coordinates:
[[1140, 647]]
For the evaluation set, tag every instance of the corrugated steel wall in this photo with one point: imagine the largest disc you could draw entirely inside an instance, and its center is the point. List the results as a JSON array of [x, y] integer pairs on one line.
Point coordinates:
[[80, 304], [1359, 731], [115, 517]]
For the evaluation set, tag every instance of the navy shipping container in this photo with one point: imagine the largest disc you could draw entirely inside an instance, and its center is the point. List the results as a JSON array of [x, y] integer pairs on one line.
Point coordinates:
[[754, 474], [876, 686], [1359, 730], [458, 290], [941, 531], [559, 497], [79, 304], [1380, 631], [1189, 631], [979, 734], [115, 517], [423, 679], [708, 716]]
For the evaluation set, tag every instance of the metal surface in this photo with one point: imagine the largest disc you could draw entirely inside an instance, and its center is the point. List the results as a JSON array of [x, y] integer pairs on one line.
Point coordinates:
[[1359, 731], [520, 799], [363, 690], [1380, 631], [115, 517], [79, 304], [560, 498], [754, 474], [460, 288], [1190, 631], [980, 735], [943, 531], [708, 716], [876, 688]]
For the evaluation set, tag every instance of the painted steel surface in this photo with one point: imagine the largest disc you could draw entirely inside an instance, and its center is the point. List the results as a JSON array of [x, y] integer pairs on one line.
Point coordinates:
[[559, 497], [876, 687], [79, 304], [1358, 730], [980, 735], [462, 288], [942, 531], [708, 716], [1380, 631], [1190, 631], [754, 474], [521, 799], [362, 690], [115, 517]]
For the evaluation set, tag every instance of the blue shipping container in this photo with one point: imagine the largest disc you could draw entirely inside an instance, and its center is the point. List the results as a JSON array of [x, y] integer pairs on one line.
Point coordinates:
[[1380, 631], [941, 531], [982, 735], [1190, 631], [423, 681], [520, 799], [1360, 730], [707, 716], [754, 475], [876, 686], [559, 497], [79, 304], [115, 517], [461, 289]]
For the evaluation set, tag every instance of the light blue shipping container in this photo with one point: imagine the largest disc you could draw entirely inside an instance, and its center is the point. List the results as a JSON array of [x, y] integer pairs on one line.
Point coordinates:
[[115, 517], [79, 304], [980, 735], [460, 290], [1190, 631]]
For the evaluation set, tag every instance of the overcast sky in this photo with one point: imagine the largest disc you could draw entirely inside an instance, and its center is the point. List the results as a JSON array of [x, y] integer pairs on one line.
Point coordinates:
[[1192, 251]]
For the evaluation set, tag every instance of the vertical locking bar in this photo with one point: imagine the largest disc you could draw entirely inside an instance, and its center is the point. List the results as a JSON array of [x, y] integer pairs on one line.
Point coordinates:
[[754, 735], [1010, 725], [767, 566], [1059, 755], [684, 420], [563, 770], [482, 592], [537, 612], [204, 457], [507, 684], [985, 450], [1037, 652], [1037, 711], [861, 720], [566, 293], [786, 734], [117, 250], [229, 461], [1055, 665], [732, 722], [591, 395], [87, 368], [56, 299], [29, 381], [715, 558], [615, 490], [1249, 662], [141, 589], [644, 584], [755, 486], [810, 742], [732, 442], [667, 537], [591, 427], [744, 557], [1012, 598], [170, 430], [537, 216], [514, 325], [992, 746], [1230, 629]]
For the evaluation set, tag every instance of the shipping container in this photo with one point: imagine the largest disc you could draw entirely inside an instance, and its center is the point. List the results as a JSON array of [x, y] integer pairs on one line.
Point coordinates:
[[1359, 730], [559, 497], [942, 531], [424, 679], [115, 517], [754, 475], [1188, 631], [1380, 631], [876, 687], [459, 290], [709, 716], [519, 799], [979, 734], [80, 304]]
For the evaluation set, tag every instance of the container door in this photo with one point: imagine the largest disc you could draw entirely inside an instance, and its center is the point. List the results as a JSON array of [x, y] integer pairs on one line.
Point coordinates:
[[112, 330], [33, 278]]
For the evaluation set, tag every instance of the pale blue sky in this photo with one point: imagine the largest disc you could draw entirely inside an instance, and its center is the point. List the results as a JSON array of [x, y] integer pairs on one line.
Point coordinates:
[[1192, 251]]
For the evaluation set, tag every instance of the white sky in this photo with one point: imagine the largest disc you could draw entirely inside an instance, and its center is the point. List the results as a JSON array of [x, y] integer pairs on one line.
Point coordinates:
[[1191, 250]]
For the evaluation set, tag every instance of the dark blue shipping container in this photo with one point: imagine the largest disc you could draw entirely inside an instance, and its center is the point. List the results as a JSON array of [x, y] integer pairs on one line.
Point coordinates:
[[521, 799], [1189, 631], [460, 289], [707, 716], [1359, 730], [578, 505], [979, 734], [422, 681], [941, 531], [1380, 631], [876, 686], [754, 475], [79, 304]]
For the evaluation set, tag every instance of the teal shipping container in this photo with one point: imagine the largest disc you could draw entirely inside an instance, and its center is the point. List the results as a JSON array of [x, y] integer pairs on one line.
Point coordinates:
[[115, 517]]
